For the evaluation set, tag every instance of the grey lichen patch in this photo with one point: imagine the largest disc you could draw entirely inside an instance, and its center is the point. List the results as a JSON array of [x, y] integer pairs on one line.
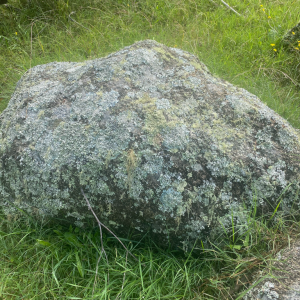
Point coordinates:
[[280, 280], [169, 200], [163, 103], [154, 139], [267, 293]]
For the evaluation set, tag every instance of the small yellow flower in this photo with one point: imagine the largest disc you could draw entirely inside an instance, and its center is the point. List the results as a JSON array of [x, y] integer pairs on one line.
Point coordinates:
[[299, 45], [127, 4], [175, 46], [263, 10], [272, 45], [275, 50], [293, 32], [261, 5], [269, 17], [296, 48], [16, 33]]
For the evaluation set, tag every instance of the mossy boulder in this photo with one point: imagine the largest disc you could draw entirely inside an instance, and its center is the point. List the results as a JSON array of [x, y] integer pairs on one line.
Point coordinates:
[[156, 142]]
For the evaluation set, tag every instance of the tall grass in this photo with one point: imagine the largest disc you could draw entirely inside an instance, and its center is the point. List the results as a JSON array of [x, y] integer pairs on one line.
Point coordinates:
[[43, 261]]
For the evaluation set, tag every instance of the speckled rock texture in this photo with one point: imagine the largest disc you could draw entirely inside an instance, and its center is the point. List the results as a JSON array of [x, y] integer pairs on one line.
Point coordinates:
[[156, 141], [283, 280]]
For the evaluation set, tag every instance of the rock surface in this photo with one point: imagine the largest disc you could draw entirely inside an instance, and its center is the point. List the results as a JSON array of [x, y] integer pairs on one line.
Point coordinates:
[[156, 141], [283, 281]]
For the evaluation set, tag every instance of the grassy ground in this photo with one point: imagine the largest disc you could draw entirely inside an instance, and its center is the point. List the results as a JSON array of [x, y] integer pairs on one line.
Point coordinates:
[[47, 262], [51, 262]]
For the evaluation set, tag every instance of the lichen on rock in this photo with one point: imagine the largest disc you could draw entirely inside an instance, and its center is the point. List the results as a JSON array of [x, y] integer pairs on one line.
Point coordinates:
[[281, 279], [156, 141]]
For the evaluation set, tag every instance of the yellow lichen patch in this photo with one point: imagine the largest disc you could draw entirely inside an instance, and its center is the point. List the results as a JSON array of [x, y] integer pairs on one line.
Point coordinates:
[[196, 65], [131, 164], [118, 68], [222, 133], [41, 113], [47, 153], [131, 160], [109, 209], [164, 54], [208, 155], [197, 124], [181, 186], [225, 147], [188, 205], [154, 122], [217, 121], [61, 124], [155, 119], [99, 93], [101, 209], [178, 221], [147, 101], [122, 62], [118, 71], [129, 115], [7, 125], [239, 121]]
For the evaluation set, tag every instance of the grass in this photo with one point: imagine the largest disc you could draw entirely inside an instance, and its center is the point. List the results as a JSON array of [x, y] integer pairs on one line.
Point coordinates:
[[43, 261]]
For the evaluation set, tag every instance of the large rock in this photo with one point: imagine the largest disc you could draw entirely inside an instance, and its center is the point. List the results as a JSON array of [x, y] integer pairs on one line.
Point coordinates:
[[155, 140]]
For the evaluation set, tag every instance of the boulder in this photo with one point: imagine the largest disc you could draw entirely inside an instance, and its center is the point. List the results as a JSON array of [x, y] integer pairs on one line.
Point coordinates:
[[281, 281], [157, 143]]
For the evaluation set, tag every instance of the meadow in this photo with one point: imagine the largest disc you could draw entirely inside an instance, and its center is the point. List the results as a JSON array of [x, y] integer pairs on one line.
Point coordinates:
[[45, 261]]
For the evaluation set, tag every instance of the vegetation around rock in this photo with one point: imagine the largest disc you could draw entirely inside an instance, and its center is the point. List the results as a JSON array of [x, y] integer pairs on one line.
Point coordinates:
[[50, 262]]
